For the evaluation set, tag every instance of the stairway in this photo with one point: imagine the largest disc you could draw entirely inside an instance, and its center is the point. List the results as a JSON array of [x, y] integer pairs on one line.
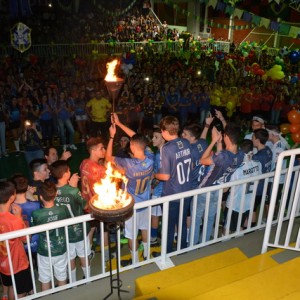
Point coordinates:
[[227, 275]]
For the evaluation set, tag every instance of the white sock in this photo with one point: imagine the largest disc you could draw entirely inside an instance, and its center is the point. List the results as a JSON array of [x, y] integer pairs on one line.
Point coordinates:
[[135, 256], [17, 145], [187, 235], [145, 253], [86, 271], [73, 275]]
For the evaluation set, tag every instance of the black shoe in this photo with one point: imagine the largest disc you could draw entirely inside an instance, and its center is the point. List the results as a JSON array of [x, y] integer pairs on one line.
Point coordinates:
[[126, 262], [156, 254], [154, 243]]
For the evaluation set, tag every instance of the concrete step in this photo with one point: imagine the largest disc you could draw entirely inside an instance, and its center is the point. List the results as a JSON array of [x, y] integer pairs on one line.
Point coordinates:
[[203, 283], [275, 283], [148, 284]]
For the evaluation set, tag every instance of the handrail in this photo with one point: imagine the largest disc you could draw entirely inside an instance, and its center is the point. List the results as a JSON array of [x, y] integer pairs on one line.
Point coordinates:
[[97, 48]]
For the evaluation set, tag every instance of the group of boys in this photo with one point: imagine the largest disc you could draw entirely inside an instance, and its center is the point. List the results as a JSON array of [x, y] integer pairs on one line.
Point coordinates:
[[169, 172]]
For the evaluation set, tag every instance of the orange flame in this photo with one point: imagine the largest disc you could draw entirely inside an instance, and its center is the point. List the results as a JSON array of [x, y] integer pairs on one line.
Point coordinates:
[[111, 67], [109, 196]]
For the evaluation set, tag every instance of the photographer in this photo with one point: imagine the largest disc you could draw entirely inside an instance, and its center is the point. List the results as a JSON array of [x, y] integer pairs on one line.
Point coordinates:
[[32, 140]]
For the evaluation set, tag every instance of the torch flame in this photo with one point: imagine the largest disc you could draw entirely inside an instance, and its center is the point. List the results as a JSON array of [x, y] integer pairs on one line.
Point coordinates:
[[111, 67], [109, 196]]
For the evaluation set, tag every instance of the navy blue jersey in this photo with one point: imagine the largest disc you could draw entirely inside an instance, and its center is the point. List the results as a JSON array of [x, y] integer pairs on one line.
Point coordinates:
[[176, 161], [224, 164], [197, 150], [264, 156], [139, 174]]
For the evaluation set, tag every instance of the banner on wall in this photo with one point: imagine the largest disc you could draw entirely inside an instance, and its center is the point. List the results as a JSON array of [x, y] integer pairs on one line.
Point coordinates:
[[20, 37]]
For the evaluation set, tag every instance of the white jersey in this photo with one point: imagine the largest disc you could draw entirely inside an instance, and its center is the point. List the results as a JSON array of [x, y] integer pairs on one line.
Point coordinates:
[[247, 169], [277, 148]]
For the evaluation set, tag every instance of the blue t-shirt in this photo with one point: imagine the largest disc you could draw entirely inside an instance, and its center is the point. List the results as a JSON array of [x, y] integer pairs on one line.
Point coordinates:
[[176, 161], [197, 150], [157, 184], [27, 209], [139, 174], [224, 164]]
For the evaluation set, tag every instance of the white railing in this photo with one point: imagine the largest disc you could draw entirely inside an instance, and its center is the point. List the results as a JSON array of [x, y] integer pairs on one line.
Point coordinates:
[[98, 268], [289, 205]]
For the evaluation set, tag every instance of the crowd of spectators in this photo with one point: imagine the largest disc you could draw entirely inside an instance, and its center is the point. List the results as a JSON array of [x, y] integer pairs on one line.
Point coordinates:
[[57, 94]]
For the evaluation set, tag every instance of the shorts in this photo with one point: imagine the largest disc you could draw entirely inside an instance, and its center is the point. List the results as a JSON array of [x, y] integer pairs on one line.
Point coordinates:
[[78, 249], [15, 125], [59, 264], [156, 210], [81, 117], [142, 223], [23, 281]]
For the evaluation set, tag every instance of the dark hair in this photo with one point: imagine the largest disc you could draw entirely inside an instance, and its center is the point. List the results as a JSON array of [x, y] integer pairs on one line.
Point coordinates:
[[194, 129], [7, 189], [233, 132], [20, 182], [246, 146], [262, 135], [94, 141], [140, 140], [170, 124], [47, 191], [59, 168], [36, 164], [47, 150]]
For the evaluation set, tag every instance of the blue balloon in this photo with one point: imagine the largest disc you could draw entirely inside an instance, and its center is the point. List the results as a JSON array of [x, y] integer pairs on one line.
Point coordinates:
[[294, 56], [294, 79]]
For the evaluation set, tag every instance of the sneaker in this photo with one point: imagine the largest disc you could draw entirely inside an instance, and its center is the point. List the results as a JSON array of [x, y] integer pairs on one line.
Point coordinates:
[[92, 255], [73, 147], [82, 140], [156, 254], [64, 147], [5, 154], [154, 242], [126, 262]]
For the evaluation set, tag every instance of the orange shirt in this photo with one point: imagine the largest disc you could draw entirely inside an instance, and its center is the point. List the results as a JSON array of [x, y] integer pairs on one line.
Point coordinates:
[[8, 223]]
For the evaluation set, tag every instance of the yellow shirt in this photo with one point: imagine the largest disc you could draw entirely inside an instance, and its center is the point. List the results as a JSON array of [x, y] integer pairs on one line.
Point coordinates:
[[98, 109]]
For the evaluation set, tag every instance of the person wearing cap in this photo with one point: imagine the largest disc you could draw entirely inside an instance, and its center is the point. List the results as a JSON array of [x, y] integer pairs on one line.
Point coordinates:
[[257, 123]]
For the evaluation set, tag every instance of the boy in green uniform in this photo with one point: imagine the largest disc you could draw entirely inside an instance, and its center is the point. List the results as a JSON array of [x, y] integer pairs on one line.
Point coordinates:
[[57, 239], [71, 198]]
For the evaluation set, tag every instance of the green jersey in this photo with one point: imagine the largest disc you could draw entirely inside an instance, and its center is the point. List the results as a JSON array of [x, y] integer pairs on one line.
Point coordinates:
[[57, 236], [71, 198]]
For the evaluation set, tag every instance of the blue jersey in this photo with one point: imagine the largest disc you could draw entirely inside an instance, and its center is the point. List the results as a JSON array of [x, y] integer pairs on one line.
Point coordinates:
[[176, 161], [247, 169], [264, 156], [224, 164], [197, 150], [157, 184], [139, 174], [27, 209]]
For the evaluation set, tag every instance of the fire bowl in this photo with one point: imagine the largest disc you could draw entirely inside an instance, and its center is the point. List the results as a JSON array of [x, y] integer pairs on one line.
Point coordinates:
[[111, 215]]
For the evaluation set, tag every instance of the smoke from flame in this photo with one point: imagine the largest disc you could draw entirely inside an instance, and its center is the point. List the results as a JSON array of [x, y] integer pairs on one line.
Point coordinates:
[[109, 195]]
